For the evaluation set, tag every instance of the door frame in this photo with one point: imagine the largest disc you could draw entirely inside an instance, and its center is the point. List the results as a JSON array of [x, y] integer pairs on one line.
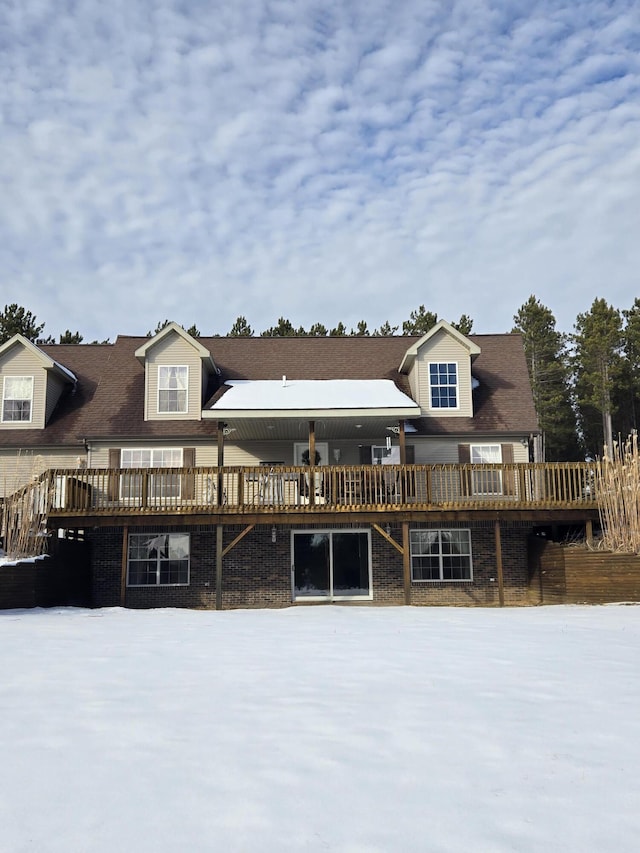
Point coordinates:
[[331, 597]]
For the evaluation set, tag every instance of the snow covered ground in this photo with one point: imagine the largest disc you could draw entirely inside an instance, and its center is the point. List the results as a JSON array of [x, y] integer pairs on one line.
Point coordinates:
[[320, 729]]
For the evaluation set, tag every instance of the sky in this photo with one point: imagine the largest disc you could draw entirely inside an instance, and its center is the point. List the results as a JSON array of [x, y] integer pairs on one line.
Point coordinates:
[[321, 160], [320, 730]]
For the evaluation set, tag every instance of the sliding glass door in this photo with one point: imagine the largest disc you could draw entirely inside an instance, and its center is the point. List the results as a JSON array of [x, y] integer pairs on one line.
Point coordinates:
[[331, 565]]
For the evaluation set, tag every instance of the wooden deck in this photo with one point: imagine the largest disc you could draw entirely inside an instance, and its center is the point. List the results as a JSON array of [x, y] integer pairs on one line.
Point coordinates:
[[263, 493]]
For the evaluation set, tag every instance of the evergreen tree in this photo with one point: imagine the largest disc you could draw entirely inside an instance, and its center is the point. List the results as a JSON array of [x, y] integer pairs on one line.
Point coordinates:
[[283, 329], [419, 322], [464, 325], [340, 330], [318, 331], [631, 345], [361, 330], [241, 329], [70, 337], [15, 320], [385, 330], [546, 353], [599, 375]]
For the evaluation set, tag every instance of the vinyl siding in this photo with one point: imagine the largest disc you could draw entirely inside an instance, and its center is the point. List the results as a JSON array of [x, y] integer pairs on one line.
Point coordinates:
[[174, 350], [17, 361], [206, 455], [437, 451], [17, 469], [55, 387], [443, 348]]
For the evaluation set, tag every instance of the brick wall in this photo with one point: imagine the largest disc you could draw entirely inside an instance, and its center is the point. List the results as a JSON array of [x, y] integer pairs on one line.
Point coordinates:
[[257, 571]]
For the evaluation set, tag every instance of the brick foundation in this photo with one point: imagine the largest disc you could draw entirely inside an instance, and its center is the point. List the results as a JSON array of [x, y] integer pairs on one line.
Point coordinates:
[[257, 571]]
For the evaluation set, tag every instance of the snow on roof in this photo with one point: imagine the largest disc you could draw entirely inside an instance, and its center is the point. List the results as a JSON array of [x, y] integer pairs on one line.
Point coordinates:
[[66, 370], [303, 394]]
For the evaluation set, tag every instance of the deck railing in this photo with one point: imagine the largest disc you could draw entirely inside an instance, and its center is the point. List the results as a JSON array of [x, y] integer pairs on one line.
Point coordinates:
[[260, 489]]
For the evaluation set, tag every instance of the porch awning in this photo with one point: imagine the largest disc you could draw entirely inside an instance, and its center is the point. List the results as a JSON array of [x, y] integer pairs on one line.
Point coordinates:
[[312, 398]]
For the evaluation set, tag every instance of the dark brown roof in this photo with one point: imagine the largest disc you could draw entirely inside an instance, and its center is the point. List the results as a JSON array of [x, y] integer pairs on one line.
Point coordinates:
[[109, 399]]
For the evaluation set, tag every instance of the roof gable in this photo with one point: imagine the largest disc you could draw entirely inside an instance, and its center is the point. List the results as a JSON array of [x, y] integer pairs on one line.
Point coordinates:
[[441, 327], [174, 329], [45, 360]]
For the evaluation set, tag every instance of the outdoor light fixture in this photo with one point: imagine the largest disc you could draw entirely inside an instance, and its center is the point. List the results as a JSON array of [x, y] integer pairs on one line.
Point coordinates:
[[388, 530], [274, 533], [336, 454]]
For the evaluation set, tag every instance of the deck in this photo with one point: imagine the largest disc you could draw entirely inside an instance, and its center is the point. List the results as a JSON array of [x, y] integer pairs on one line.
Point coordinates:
[[266, 494]]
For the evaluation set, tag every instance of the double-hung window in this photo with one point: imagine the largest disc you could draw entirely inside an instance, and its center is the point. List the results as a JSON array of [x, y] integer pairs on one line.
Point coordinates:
[[443, 382], [162, 486], [172, 388], [17, 398], [441, 555], [487, 480], [158, 559]]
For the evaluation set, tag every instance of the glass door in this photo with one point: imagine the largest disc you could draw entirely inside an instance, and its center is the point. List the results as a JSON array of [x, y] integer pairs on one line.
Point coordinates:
[[331, 565]]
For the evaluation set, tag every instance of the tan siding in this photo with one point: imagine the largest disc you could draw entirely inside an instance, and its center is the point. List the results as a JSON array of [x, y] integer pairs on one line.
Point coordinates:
[[16, 469], [174, 350], [206, 455], [55, 387], [19, 362], [444, 348], [440, 451]]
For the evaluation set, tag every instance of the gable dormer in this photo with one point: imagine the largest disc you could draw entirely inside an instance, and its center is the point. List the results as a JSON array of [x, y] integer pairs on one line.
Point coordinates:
[[31, 383], [177, 369], [438, 367]]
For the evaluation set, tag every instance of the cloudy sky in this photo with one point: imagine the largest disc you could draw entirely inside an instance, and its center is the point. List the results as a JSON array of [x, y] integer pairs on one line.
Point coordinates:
[[324, 160]]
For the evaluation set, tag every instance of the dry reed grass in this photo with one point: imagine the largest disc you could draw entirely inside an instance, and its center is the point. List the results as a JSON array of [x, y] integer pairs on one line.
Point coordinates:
[[617, 487], [25, 511]]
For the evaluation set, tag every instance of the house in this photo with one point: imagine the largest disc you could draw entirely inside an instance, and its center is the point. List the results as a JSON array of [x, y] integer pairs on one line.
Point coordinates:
[[242, 472]]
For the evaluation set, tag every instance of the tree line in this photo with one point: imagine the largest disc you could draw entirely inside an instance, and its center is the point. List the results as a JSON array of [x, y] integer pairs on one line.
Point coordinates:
[[586, 384]]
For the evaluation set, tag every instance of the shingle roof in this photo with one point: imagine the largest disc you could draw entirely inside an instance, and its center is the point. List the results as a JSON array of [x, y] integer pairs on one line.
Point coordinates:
[[109, 399]]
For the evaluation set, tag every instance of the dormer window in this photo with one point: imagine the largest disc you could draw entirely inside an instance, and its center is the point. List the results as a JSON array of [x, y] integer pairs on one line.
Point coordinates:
[[172, 388], [17, 399], [443, 382]]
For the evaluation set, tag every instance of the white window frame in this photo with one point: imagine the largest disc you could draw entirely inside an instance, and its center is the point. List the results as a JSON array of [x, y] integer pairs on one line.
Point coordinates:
[[153, 541], [6, 399], [331, 596], [433, 386], [169, 367], [486, 482], [154, 482], [417, 553]]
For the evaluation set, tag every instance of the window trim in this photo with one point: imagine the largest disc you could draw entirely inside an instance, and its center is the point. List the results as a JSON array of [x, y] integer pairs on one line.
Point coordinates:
[[23, 400], [152, 535], [150, 450], [475, 475], [433, 386], [159, 389], [440, 554]]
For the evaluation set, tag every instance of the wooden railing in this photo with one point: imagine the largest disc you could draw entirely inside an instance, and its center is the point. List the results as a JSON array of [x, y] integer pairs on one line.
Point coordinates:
[[237, 489]]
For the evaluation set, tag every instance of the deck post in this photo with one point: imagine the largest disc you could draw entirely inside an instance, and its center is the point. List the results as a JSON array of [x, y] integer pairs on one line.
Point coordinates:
[[498, 543], [406, 562], [219, 530], [403, 461], [220, 485], [312, 463], [125, 559]]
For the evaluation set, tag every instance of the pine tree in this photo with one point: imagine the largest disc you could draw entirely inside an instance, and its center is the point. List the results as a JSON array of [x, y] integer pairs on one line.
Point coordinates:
[[631, 345], [419, 322], [599, 375], [361, 330], [241, 329], [546, 353], [15, 320], [464, 325], [340, 330], [70, 337], [318, 330], [386, 330], [283, 329]]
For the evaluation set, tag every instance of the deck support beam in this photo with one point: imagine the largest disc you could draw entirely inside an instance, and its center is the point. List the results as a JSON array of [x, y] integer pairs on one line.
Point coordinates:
[[388, 537], [219, 531], [123, 569], [240, 536], [500, 575], [406, 563], [220, 484]]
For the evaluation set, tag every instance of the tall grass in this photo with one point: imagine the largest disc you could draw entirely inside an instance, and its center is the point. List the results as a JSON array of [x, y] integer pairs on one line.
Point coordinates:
[[617, 486]]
